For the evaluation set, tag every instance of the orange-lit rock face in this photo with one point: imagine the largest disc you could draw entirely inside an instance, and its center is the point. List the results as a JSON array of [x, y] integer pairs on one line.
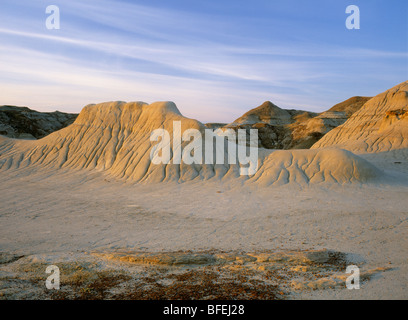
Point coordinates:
[[380, 125]]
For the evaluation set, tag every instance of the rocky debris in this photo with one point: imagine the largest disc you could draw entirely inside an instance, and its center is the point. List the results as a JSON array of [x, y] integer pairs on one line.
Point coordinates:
[[6, 257], [24, 123], [393, 117], [223, 275]]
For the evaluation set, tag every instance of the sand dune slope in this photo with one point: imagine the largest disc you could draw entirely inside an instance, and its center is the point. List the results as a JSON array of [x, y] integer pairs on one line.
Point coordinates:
[[114, 138], [380, 125]]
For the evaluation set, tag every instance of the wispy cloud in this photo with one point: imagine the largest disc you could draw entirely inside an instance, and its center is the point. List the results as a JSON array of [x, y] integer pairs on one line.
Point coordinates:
[[107, 51]]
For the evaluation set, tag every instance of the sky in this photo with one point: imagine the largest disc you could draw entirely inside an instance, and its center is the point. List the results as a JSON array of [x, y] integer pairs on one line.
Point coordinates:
[[214, 59]]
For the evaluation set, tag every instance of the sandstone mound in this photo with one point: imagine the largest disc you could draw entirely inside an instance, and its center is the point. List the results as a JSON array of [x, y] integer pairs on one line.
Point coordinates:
[[380, 125], [350, 105], [267, 113], [274, 125], [114, 138], [294, 129], [307, 130], [330, 165]]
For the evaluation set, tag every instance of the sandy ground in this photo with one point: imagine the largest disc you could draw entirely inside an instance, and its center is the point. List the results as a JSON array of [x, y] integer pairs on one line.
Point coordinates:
[[61, 213]]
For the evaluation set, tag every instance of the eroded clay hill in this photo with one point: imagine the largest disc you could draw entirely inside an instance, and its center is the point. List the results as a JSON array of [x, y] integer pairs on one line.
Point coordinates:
[[294, 129], [380, 125], [114, 138]]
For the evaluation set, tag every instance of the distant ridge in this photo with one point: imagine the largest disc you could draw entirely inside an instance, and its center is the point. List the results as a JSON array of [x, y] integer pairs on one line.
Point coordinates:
[[294, 129], [380, 125], [267, 113], [25, 123], [350, 105]]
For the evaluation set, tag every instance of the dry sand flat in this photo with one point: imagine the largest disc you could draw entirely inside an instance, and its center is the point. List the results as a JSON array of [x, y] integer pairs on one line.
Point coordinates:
[[88, 192], [49, 217]]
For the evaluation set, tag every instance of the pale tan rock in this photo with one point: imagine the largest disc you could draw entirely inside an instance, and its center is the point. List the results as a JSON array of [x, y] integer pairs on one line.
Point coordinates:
[[380, 125], [114, 138]]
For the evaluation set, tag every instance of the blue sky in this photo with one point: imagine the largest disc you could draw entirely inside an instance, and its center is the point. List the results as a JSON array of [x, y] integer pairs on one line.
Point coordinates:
[[214, 59]]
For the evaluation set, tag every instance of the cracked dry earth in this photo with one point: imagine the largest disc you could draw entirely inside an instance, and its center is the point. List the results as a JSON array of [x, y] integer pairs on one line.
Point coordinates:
[[180, 275]]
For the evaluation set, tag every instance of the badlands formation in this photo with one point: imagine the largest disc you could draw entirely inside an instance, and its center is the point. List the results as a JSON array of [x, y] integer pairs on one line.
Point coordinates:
[[294, 129], [24, 123], [115, 138], [277, 128], [380, 125], [89, 199]]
